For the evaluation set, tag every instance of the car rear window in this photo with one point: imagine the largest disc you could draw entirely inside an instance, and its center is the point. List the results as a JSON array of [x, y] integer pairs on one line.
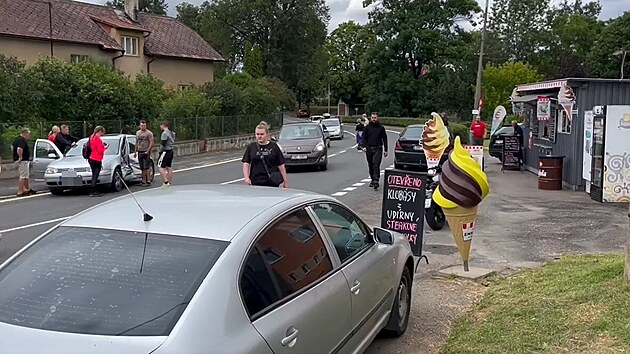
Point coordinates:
[[105, 282], [412, 133], [505, 131], [331, 122]]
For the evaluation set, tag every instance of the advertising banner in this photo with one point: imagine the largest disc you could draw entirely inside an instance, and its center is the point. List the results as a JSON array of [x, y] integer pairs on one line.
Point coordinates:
[[497, 118], [543, 108]]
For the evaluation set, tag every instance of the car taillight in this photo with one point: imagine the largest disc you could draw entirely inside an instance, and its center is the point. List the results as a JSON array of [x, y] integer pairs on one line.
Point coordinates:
[[398, 146]]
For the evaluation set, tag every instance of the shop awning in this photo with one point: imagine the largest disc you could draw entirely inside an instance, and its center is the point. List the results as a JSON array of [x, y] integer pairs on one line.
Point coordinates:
[[529, 98]]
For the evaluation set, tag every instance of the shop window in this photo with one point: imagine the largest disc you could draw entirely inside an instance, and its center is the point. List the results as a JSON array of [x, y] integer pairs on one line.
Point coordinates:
[[565, 123]]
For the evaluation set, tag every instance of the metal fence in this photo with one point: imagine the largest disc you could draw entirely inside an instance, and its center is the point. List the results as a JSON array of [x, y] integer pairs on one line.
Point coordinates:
[[192, 128]]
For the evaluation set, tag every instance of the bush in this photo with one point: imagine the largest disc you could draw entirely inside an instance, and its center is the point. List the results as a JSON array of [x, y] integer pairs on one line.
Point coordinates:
[[460, 130]]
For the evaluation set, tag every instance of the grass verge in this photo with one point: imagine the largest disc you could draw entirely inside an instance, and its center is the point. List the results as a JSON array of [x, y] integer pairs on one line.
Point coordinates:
[[578, 304]]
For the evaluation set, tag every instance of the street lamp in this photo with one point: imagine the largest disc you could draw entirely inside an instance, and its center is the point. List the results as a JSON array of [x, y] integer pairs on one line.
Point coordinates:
[[480, 64], [621, 53]]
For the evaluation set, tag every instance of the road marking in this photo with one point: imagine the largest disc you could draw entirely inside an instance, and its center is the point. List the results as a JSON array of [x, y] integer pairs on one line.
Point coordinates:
[[359, 184], [339, 194], [349, 189], [389, 168], [366, 180], [333, 155], [33, 225]]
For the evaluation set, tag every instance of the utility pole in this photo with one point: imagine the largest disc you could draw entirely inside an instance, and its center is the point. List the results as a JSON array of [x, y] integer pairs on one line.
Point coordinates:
[[480, 64], [329, 98]]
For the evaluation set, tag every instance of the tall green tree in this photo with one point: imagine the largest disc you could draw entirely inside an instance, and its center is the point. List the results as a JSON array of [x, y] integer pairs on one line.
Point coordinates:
[[413, 37], [499, 82], [347, 45], [607, 53], [158, 7], [253, 61]]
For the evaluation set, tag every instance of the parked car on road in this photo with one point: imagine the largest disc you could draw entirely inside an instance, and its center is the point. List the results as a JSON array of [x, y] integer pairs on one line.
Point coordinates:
[[72, 171], [334, 126], [495, 148], [316, 118], [408, 153], [226, 269], [304, 144], [303, 113]]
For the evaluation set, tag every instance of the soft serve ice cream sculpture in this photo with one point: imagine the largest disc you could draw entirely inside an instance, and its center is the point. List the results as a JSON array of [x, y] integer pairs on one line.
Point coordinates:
[[463, 185], [435, 139]]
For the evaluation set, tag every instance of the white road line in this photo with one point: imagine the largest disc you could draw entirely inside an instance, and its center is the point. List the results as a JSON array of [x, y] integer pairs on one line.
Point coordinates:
[[232, 181], [359, 184], [333, 155], [389, 168], [339, 194], [366, 180], [33, 225], [392, 131], [349, 189]]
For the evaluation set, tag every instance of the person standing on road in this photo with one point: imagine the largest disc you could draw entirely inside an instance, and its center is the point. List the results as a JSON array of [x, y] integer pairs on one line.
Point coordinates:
[[144, 144], [518, 132], [478, 131], [64, 140], [166, 155], [263, 161], [53, 134], [22, 157], [359, 132], [374, 144], [97, 153]]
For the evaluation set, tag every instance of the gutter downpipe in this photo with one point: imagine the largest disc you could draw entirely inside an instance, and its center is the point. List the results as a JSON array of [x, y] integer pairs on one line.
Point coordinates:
[[149, 64], [122, 54]]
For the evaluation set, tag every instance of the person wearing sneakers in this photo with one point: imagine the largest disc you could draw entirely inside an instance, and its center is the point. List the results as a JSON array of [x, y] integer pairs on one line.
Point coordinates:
[[97, 148], [166, 155], [144, 144], [374, 144], [21, 157]]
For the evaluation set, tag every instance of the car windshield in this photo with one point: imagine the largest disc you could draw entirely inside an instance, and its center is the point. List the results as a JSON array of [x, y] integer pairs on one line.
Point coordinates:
[[295, 132], [412, 133], [507, 130], [105, 282], [112, 141], [331, 122]]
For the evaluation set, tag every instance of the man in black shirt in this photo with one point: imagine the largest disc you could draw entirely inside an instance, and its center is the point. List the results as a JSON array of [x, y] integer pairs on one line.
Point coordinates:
[[373, 143], [22, 157], [64, 140], [518, 132]]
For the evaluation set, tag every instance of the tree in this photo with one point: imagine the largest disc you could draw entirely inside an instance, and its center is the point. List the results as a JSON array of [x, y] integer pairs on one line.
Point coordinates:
[[412, 38], [499, 82], [605, 57], [158, 7], [347, 46], [253, 63]]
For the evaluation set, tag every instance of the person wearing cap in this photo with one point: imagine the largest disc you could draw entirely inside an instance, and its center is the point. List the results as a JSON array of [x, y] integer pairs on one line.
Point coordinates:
[[22, 157]]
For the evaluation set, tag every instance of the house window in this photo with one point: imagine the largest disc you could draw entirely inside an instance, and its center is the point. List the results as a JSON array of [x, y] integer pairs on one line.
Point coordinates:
[[130, 45], [565, 123], [184, 87], [78, 58]]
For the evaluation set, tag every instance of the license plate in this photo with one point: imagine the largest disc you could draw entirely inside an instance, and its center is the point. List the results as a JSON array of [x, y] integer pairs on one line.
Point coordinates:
[[69, 174], [417, 147], [427, 203], [299, 157]]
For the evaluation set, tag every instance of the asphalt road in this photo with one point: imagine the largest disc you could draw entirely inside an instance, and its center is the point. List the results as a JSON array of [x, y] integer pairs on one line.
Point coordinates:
[[23, 219]]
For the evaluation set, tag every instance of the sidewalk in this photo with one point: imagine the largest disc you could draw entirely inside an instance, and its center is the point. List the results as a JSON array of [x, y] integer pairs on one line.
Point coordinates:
[[518, 226], [8, 187]]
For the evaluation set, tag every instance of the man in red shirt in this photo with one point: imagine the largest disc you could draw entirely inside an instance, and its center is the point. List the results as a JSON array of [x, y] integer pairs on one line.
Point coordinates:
[[478, 131], [96, 157]]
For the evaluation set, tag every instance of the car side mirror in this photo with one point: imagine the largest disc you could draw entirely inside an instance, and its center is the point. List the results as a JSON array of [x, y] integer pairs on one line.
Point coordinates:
[[383, 236]]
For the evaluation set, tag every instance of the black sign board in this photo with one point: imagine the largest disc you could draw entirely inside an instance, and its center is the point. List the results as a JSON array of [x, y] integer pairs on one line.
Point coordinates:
[[403, 206], [511, 153]]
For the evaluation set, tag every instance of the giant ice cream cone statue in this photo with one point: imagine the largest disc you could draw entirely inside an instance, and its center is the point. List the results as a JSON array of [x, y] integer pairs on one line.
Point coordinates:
[[435, 139], [463, 185]]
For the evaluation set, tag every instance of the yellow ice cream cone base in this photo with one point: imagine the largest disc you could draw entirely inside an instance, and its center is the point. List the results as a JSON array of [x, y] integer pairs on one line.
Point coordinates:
[[462, 224]]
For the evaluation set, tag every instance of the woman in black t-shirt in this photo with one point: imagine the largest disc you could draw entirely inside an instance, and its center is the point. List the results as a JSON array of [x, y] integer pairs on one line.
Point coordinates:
[[263, 161]]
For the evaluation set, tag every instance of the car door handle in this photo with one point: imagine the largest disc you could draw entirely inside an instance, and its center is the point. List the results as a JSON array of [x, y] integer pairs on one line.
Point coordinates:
[[356, 287], [291, 337]]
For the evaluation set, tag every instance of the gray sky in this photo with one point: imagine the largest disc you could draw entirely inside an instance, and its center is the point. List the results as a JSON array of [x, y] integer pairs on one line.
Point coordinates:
[[345, 10]]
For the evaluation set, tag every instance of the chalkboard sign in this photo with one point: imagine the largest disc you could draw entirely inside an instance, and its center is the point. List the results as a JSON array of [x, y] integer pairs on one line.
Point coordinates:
[[511, 153], [403, 206]]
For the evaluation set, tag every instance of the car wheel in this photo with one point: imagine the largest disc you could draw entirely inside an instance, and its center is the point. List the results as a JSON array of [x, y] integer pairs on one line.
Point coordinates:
[[399, 318], [56, 191], [328, 143], [117, 184], [435, 217]]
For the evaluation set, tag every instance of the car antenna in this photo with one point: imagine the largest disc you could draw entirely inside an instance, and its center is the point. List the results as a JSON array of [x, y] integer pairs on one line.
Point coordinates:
[[146, 216]]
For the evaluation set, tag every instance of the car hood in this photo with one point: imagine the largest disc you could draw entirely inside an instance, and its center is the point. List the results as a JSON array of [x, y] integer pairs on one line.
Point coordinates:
[[303, 144], [76, 162], [16, 339]]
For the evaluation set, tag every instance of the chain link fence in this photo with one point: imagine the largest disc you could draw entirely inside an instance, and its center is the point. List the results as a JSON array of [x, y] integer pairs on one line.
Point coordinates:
[[193, 128]]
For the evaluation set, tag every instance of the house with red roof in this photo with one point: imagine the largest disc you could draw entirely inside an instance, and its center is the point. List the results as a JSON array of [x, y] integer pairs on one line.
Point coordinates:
[[133, 42]]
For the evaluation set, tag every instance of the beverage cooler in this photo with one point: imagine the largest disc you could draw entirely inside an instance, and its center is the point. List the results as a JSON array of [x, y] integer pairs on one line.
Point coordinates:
[[610, 154]]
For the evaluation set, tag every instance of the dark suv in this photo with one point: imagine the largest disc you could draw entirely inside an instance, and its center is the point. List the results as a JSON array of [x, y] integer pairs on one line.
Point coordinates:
[[408, 154], [495, 149]]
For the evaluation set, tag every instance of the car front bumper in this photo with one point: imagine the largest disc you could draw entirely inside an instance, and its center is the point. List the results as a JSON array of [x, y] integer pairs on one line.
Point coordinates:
[[313, 158], [82, 179]]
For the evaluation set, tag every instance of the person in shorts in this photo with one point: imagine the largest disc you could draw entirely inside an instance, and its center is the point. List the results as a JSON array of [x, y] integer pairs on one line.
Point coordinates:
[[166, 154], [144, 144], [22, 157]]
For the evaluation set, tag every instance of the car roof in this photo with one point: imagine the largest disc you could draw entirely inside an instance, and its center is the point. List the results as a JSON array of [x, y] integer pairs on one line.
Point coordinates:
[[415, 126], [301, 123], [206, 211]]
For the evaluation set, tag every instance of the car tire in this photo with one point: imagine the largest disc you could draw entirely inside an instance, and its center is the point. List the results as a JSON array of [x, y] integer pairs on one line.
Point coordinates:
[[435, 217], [56, 191], [399, 318], [117, 184]]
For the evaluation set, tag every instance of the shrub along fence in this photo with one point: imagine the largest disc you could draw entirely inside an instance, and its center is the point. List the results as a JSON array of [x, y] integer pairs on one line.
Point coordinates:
[[190, 128]]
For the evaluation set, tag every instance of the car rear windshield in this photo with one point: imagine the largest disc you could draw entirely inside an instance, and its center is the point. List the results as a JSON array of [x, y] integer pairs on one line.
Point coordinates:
[[412, 133], [505, 131], [112, 149], [105, 282], [293, 132], [331, 122]]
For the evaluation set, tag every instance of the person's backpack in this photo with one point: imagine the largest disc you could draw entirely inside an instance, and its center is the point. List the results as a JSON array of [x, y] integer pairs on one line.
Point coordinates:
[[87, 150]]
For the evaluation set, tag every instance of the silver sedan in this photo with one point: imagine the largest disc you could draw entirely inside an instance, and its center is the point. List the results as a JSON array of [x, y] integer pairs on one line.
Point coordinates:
[[218, 269]]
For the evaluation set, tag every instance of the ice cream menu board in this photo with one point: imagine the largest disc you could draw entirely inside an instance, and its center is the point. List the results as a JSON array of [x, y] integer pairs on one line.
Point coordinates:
[[510, 153], [403, 206]]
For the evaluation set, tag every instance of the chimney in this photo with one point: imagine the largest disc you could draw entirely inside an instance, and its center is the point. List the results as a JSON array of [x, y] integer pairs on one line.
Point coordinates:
[[131, 9]]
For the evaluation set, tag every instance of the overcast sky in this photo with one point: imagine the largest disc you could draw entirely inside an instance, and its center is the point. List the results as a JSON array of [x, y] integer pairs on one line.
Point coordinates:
[[345, 10]]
